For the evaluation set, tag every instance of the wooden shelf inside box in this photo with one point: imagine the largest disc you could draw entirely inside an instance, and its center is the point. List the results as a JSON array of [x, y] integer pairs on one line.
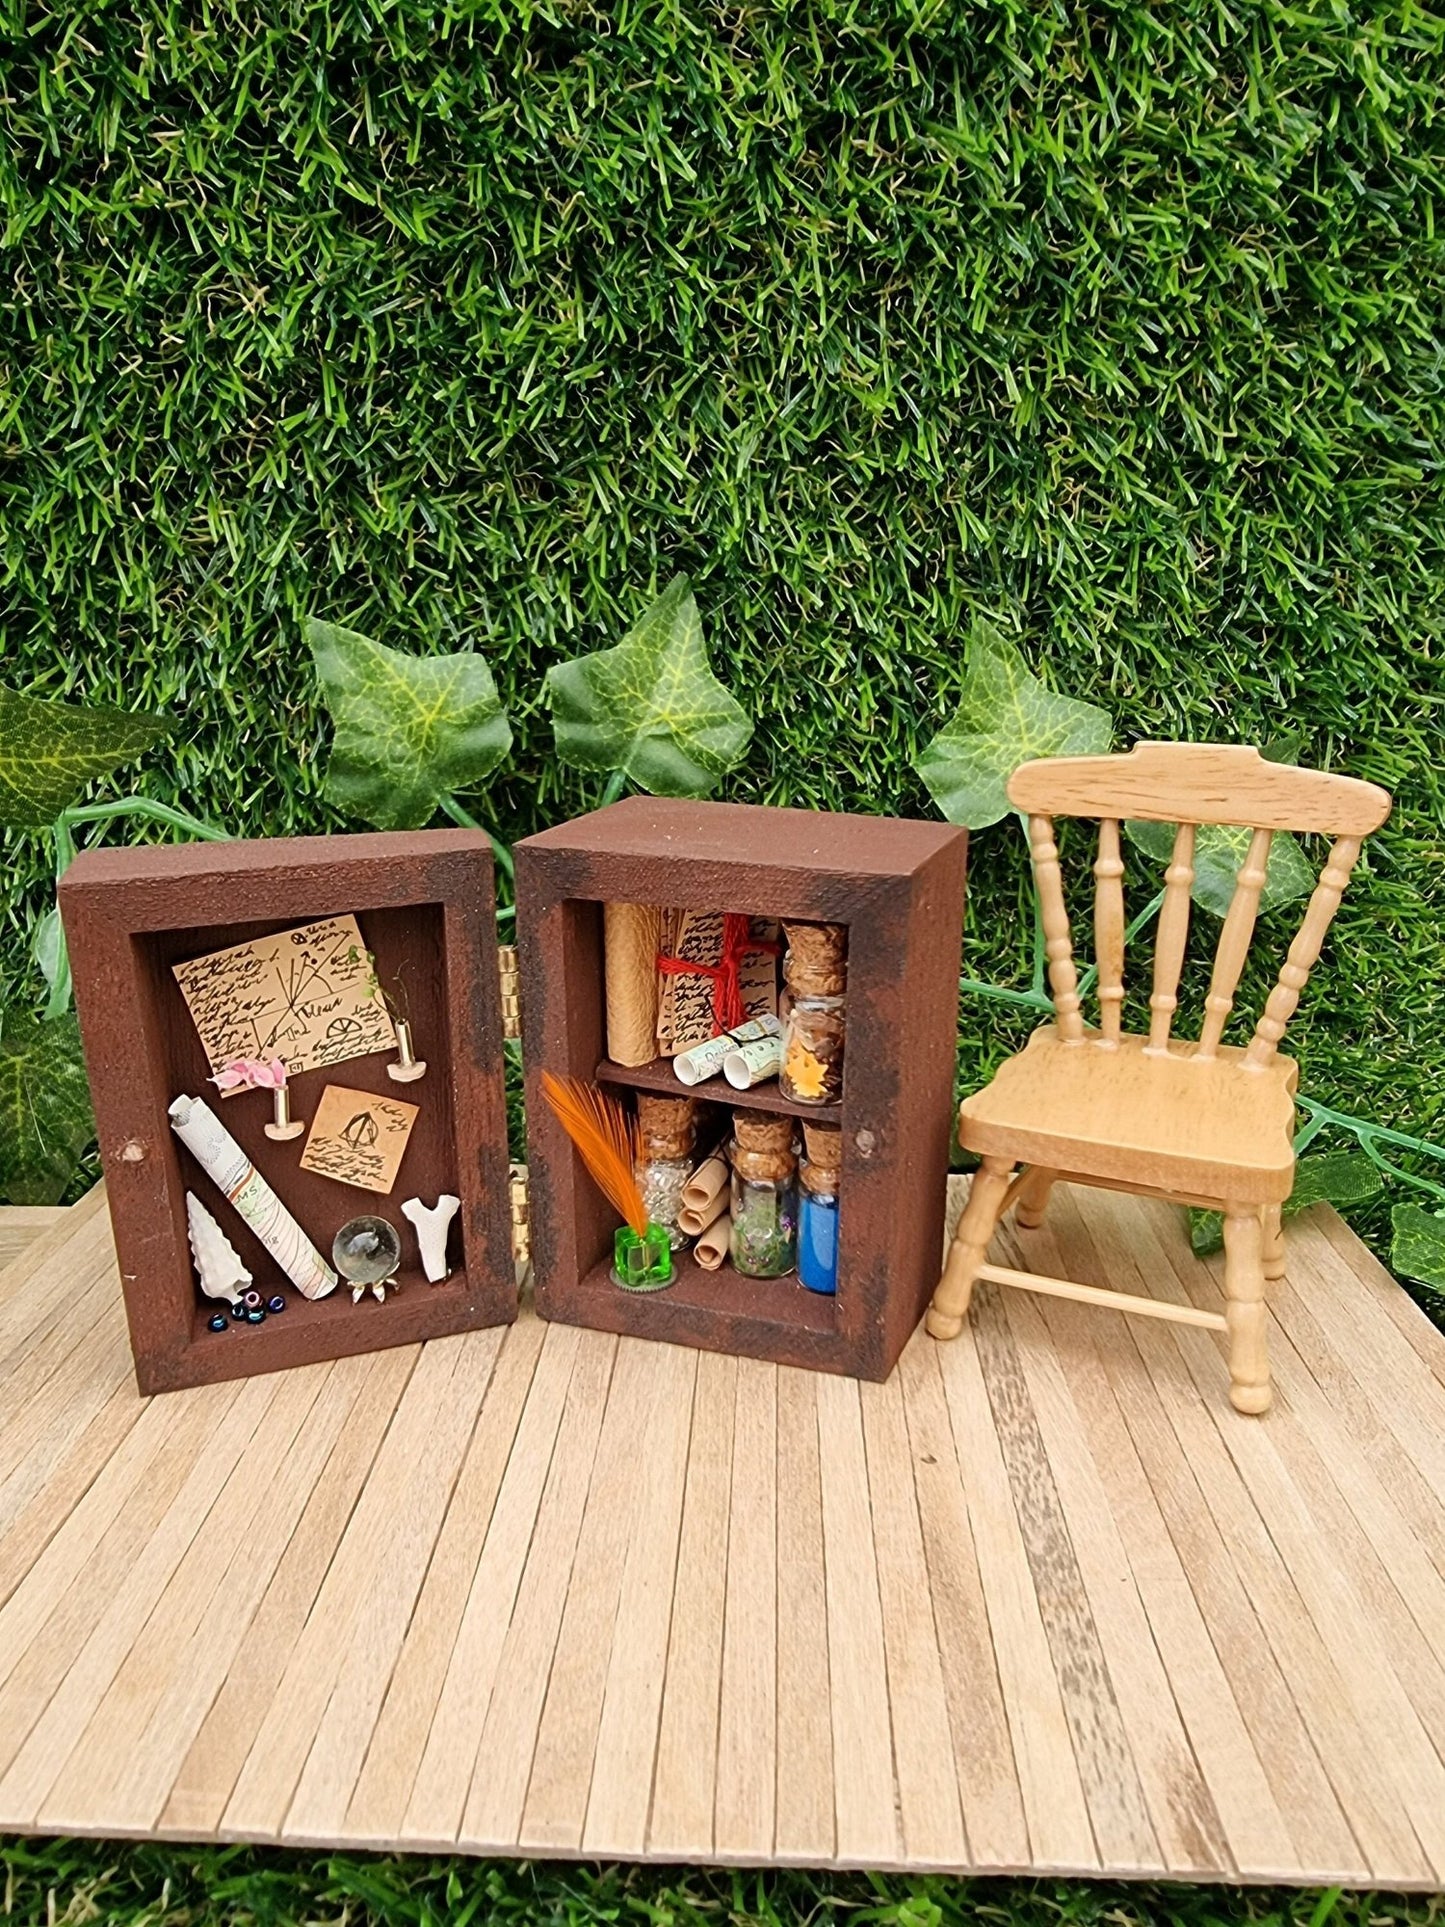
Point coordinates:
[[311, 1329], [660, 1076], [780, 1304]]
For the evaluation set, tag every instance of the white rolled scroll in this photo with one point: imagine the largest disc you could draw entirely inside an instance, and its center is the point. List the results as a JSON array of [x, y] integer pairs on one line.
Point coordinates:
[[226, 1164]]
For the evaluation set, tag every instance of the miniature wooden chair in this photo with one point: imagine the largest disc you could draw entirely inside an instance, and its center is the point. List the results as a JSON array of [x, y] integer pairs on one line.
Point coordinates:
[[1203, 1123]]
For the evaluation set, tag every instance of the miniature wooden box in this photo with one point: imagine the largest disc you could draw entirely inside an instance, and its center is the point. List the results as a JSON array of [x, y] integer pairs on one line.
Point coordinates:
[[425, 905], [899, 886]]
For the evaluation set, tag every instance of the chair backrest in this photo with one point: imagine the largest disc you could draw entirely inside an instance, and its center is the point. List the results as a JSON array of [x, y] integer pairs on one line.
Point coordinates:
[[1188, 784]]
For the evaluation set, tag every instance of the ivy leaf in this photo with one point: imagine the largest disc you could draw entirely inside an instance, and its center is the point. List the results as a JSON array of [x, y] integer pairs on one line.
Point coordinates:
[[1418, 1247], [45, 1115], [48, 950], [1005, 717], [1326, 1177], [1219, 851], [651, 706], [49, 751], [409, 729]]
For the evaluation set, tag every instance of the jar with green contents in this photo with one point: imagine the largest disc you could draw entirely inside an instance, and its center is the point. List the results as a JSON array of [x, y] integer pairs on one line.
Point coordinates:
[[764, 1160], [764, 1241]]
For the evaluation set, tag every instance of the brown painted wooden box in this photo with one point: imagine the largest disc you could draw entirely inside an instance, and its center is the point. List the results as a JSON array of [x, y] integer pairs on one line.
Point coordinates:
[[899, 886], [424, 901]]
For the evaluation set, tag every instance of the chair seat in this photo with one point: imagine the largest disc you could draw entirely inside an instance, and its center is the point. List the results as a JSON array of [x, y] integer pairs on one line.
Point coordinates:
[[1168, 1121]]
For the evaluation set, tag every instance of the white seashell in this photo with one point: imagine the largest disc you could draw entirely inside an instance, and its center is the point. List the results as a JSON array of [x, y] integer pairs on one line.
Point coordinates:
[[431, 1232], [218, 1263]]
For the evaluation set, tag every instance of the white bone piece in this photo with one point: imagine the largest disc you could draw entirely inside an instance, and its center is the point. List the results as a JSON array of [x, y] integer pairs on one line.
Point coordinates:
[[431, 1232], [218, 1263]]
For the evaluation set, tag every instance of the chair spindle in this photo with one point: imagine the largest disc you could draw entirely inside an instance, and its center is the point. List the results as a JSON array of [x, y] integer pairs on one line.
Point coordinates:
[[1172, 938], [1234, 941], [1109, 928], [1058, 943], [1304, 951]]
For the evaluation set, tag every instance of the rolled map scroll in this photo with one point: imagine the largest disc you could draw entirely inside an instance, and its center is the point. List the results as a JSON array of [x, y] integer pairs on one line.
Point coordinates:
[[712, 1247], [631, 934], [704, 1197], [226, 1164]]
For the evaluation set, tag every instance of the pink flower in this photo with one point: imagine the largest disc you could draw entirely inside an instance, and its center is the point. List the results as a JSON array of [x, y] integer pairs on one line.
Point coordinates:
[[252, 1074]]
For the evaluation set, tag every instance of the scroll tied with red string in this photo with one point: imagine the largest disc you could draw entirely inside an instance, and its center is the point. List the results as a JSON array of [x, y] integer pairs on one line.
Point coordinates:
[[720, 971]]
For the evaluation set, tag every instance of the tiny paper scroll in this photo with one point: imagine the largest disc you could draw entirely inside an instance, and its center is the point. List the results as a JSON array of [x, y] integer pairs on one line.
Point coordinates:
[[358, 1138], [712, 1247], [706, 1060], [226, 1164], [704, 1197], [631, 935], [305, 995]]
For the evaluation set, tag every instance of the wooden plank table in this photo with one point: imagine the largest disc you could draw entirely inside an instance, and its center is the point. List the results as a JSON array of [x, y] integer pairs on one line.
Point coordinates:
[[1041, 1602]]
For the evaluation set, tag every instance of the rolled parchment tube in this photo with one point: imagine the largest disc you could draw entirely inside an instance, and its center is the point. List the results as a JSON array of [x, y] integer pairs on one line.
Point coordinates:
[[753, 1063], [632, 934], [712, 1247], [706, 1060], [228, 1167]]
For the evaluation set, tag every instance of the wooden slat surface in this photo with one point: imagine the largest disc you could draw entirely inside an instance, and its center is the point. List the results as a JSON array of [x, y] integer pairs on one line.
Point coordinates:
[[1043, 1601]]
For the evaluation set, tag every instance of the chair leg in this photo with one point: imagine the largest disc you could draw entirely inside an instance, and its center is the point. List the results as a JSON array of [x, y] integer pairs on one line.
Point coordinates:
[[1244, 1282], [1033, 1197], [1274, 1265], [980, 1216]]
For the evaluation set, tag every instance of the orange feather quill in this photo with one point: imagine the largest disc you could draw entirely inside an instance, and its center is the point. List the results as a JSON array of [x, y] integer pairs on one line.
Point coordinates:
[[605, 1135]]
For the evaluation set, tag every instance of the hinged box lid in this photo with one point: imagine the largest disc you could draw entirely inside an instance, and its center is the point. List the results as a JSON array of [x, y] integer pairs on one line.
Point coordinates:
[[425, 905]]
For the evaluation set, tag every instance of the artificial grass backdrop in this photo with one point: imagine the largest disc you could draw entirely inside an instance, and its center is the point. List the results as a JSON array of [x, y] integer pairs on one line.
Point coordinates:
[[472, 324]]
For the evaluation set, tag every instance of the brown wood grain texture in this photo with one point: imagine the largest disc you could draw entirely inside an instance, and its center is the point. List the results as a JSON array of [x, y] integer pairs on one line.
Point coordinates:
[[424, 901], [899, 886]]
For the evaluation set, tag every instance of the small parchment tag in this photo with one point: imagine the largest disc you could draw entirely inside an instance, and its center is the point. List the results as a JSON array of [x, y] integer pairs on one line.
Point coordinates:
[[358, 1138]]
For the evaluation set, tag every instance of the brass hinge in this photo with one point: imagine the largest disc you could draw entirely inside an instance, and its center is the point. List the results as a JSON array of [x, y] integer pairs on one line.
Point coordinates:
[[521, 1237], [511, 991]]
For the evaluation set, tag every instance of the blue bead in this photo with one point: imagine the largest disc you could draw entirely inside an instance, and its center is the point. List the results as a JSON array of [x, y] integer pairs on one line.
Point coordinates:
[[278, 1303], [220, 1322], [257, 1316], [238, 1312]]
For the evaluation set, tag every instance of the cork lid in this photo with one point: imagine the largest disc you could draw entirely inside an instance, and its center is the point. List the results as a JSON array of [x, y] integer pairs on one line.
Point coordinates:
[[763, 1131], [817, 961], [825, 1146], [774, 1166], [666, 1126]]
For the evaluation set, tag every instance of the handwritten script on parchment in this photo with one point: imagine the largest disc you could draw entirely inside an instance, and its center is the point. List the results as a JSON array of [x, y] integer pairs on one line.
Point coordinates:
[[685, 1008], [305, 996], [357, 1137]]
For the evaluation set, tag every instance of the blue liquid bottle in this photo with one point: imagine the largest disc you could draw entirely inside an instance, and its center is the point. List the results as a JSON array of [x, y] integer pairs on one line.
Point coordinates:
[[818, 1229]]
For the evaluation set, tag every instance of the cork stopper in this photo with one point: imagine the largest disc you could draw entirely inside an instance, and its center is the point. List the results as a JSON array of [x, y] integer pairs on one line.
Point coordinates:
[[774, 1166], [763, 1131], [819, 1179], [825, 1146], [817, 961], [666, 1126]]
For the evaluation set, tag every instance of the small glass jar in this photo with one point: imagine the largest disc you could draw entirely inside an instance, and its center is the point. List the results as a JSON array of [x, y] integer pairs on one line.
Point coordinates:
[[818, 1228], [812, 1070], [662, 1182], [764, 1238]]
